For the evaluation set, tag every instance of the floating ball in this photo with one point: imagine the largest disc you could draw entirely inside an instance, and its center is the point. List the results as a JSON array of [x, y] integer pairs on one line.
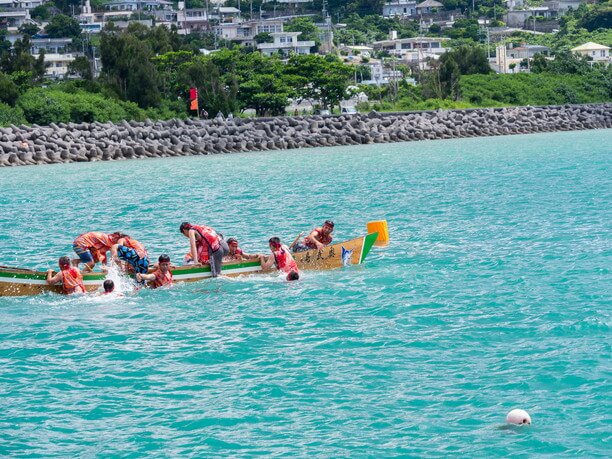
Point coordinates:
[[518, 417]]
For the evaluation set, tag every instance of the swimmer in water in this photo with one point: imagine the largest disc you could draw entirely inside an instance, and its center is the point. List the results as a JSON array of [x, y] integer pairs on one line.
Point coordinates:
[[281, 258]]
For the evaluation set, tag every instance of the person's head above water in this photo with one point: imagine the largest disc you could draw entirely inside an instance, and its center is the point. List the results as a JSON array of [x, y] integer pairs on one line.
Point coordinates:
[[164, 263], [117, 235], [274, 242], [109, 286], [328, 226], [293, 276], [185, 227], [64, 262]]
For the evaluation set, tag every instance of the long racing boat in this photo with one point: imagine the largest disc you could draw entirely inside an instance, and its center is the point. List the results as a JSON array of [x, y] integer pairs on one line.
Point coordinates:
[[22, 282]]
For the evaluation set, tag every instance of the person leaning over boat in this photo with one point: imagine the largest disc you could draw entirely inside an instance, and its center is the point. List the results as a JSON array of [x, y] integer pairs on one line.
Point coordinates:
[[132, 252], [92, 247], [70, 277], [317, 239], [206, 246], [281, 258], [236, 253], [162, 276]]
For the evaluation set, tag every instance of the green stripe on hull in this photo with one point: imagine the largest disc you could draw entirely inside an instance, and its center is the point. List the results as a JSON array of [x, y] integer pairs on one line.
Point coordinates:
[[87, 277], [206, 269]]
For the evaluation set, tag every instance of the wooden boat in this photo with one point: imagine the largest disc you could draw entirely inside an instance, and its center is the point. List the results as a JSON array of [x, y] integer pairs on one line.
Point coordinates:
[[21, 282]]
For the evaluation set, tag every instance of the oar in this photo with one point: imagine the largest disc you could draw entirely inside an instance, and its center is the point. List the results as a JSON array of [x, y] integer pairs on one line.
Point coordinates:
[[295, 240]]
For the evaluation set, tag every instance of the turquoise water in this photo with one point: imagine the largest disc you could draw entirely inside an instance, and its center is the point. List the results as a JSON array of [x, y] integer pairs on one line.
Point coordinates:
[[494, 294]]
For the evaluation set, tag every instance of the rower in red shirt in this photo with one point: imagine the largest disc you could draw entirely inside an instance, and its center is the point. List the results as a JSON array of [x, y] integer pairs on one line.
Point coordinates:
[[70, 277], [317, 239], [162, 276], [207, 246], [281, 258]]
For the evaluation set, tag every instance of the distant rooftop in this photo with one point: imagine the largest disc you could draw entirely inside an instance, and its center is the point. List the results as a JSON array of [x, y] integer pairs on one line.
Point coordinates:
[[430, 4], [590, 46]]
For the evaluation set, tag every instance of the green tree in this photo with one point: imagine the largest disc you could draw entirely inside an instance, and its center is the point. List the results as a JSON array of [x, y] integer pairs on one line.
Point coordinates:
[[262, 84], [81, 67], [310, 32], [264, 37], [320, 78], [9, 92], [41, 13], [127, 67], [362, 7], [29, 29], [539, 63], [435, 28], [443, 80], [61, 26], [469, 59], [596, 16], [214, 95], [19, 60]]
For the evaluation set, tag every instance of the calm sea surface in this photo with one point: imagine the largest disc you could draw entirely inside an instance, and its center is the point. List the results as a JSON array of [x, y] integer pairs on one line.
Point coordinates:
[[495, 293]]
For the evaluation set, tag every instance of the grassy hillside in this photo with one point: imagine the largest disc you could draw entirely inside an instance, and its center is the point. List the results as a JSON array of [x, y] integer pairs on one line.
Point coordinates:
[[534, 89]]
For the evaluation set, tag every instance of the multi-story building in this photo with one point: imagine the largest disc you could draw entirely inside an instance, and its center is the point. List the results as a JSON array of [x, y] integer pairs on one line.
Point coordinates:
[[401, 46], [596, 52], [245, 32], [58, 55], [192, 20], [401, 8], [12, 19], [286, 43], [416, 52], [510, 59], [137, 5], [428, 7]]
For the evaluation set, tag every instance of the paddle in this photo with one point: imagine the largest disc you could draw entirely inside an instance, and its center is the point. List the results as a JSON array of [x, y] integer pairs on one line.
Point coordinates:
[[295, 240]]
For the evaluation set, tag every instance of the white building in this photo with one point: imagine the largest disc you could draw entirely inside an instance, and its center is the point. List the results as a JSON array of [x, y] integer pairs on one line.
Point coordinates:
[[192, 20], [286, 43], [226, 14], [50, 45], [517, 18], [12, 19], [401, 46], [401, 8], [57, 55], [428, 7], [381, 74], [509, 60], [356, 50], [245, 32], [135, 5], [598, 53], [57, 64]]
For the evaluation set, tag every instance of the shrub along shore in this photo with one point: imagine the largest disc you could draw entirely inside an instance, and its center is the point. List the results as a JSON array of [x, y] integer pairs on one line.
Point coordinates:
[[65, 143]]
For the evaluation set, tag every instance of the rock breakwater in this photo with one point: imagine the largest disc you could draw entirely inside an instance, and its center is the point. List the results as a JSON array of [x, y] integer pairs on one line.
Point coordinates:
[[64, 143]]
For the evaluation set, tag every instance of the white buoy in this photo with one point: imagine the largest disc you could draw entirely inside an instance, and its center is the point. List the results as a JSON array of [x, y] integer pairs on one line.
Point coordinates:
[[518, 417]]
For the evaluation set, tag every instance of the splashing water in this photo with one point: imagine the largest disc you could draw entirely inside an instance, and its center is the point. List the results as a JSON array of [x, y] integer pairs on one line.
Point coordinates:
[[123, 282]]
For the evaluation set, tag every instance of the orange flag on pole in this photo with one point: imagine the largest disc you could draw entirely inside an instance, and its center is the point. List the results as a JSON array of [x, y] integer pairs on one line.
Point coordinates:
[[193, 97]]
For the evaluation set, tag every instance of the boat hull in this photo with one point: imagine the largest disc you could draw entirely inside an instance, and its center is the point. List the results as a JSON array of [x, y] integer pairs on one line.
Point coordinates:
[[23, 282]]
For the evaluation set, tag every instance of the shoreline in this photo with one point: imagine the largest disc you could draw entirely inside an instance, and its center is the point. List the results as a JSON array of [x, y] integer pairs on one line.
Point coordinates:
[[85, 142]]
